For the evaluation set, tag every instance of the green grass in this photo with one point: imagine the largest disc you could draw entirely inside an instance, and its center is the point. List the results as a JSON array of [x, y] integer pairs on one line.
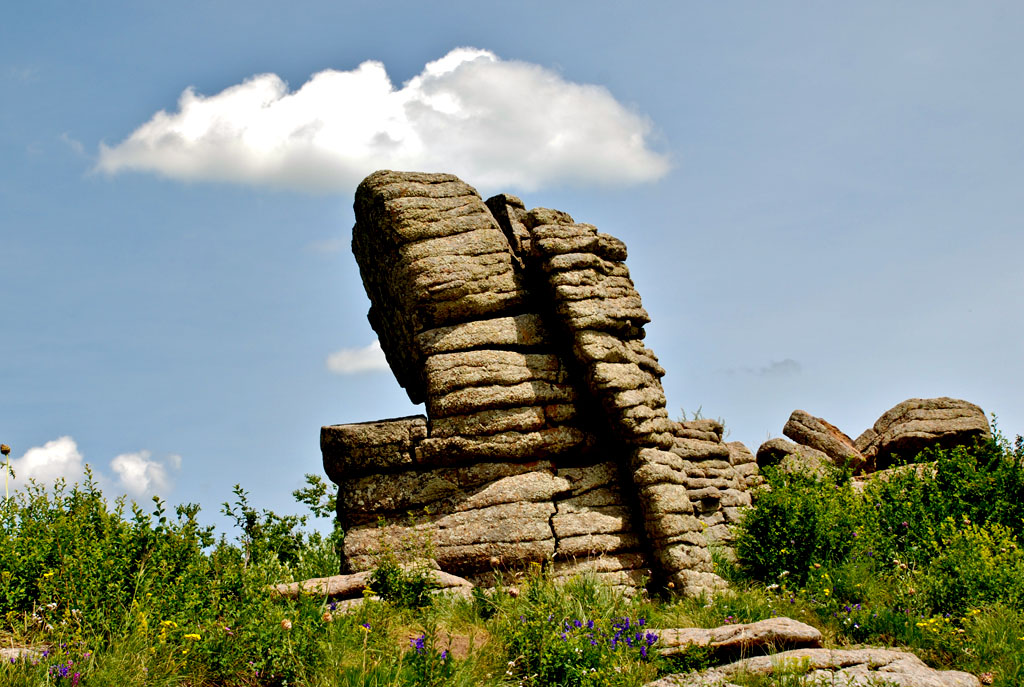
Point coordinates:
[[115, 594]]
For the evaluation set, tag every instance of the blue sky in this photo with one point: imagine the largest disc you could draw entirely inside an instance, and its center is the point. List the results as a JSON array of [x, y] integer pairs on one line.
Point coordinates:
[[821, 202]]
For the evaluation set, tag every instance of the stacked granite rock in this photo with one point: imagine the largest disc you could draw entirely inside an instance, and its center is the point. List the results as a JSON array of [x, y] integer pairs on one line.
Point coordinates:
[[897, 436], [547, 438]]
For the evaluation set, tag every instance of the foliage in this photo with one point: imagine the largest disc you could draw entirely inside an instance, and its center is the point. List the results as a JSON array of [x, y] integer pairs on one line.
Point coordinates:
[[801, 519], [918, 559], [111, 593]]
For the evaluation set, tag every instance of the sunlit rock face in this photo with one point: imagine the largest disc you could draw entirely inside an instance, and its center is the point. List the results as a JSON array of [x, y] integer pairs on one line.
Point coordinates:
[[546, 437]]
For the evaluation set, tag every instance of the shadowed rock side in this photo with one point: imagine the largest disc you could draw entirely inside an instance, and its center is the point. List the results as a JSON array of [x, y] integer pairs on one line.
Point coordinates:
[[546, 437]]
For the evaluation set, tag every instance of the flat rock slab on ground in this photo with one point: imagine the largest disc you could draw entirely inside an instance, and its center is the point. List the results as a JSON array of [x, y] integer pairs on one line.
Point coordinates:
[[773, 633], [352, 586], [869, 667], [19, 653]]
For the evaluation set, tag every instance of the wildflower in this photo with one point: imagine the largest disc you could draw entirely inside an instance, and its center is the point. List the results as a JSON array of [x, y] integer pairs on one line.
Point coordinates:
[[333, 606], [365, 626], [286, 624], [193, 636], [419, 643], [5, 449], [328, 617]]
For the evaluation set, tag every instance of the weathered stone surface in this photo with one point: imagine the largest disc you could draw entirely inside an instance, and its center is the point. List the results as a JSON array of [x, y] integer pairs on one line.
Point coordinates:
[[773, 633], [840, 667], [352, 586], [522, 331], [917, 423], [518, 332], [807, 430], [356, 449], [792, 456], [432, 277]]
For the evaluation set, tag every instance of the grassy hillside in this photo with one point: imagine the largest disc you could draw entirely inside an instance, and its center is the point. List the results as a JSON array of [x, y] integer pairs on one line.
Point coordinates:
[[111, 593]]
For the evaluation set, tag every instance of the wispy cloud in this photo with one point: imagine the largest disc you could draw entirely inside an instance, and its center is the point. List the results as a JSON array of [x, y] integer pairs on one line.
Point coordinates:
[[72, 143], [779, 368], [328, 246], [352, 360], [136, 474], [23, 74], [497, 123]]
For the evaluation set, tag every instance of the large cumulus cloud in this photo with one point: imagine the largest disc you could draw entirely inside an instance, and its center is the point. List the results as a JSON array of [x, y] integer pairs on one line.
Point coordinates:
[[497, 123]]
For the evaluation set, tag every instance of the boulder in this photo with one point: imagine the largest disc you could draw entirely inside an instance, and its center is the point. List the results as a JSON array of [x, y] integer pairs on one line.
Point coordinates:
[[867, 667], [746, 638], [792, 457], [918, 423], [807, 430]]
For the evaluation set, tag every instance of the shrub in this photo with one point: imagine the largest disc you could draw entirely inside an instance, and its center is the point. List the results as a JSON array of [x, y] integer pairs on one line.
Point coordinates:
[[977, 565], [800, 519]]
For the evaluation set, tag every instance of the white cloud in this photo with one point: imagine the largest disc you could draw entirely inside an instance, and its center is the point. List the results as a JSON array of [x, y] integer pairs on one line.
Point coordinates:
[[137, 474], [350, 360], [48, 463], [497, 123], [140, 476]]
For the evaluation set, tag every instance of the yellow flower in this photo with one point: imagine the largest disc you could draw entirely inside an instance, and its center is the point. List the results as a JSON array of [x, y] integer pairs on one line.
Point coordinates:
[[193, 636], [5, 449], [48, 575]]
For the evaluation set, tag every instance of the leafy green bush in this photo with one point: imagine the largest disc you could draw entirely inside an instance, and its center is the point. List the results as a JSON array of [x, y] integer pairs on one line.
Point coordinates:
[[976, 565], [800, 519], [404, 586]]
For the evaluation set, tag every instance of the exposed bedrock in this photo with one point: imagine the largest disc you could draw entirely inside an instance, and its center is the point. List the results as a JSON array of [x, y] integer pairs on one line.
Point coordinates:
[[546, 436]]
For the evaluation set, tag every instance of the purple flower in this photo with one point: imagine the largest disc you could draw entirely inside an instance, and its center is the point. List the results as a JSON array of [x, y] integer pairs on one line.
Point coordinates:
[[366, 625], [642, 622], [444, 655], [419, 643], [643, 651], [333, 606], [590, 624], [577, 623]]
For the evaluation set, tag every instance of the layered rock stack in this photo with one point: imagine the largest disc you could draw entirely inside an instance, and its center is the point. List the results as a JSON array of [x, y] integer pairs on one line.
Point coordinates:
[[546, 437]]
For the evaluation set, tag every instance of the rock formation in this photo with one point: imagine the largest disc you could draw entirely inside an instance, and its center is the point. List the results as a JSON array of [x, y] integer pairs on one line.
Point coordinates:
[[546, 437], [901, 432]]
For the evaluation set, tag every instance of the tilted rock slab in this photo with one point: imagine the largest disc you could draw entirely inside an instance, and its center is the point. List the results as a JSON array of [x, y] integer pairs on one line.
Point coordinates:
[[870, 667], [918, 423], [546, 436], [805, 429]]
